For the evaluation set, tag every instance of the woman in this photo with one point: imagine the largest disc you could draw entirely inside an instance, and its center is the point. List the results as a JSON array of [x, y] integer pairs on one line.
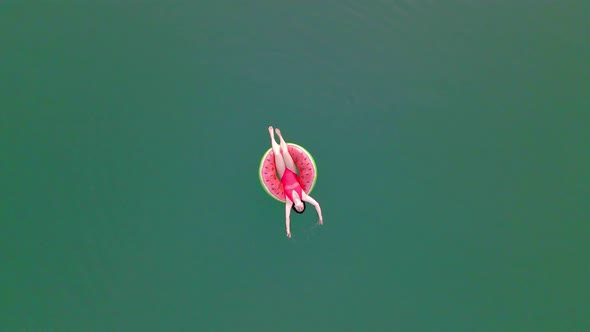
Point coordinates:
[[295, 197]]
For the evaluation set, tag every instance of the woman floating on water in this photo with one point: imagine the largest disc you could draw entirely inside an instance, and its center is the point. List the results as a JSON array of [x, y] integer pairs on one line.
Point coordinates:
[[295, 197]]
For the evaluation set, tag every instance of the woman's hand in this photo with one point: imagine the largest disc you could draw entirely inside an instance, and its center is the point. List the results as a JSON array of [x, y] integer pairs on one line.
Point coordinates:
[[313, 202], [288, 233]]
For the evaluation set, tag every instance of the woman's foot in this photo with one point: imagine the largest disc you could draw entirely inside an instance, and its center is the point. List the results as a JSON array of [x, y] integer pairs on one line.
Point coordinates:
[[278, 131], [270, 131]]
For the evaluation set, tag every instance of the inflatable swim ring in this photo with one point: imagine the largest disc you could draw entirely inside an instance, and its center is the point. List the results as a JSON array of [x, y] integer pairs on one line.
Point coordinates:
[[307, 176]]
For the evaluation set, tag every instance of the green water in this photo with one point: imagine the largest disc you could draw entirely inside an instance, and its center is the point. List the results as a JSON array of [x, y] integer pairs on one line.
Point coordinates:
[[451, 139]]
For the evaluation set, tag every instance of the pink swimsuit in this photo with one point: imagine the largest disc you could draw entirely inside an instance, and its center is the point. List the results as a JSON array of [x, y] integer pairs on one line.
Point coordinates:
[[290, 183]]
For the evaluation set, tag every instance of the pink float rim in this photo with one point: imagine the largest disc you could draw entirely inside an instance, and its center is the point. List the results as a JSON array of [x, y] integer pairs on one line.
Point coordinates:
[[262, 164]]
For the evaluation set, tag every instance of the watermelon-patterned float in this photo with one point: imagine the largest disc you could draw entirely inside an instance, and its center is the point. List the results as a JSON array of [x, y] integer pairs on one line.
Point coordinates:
[[307, 174]]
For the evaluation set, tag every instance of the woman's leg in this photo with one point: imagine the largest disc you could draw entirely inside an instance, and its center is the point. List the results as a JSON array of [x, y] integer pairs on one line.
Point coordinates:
[[276, 149], [286, 155]]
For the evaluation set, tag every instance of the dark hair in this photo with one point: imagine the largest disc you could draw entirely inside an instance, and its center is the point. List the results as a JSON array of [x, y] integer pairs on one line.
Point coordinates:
[[294, 209]]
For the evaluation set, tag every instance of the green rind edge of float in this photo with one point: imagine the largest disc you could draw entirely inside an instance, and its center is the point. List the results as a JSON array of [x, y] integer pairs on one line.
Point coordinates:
[[262, 163], [260, 176], [314, 166]]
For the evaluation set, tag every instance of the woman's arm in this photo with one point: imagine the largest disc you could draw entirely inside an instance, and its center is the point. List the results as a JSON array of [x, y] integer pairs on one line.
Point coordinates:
[[313, 202], [288, 206]]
